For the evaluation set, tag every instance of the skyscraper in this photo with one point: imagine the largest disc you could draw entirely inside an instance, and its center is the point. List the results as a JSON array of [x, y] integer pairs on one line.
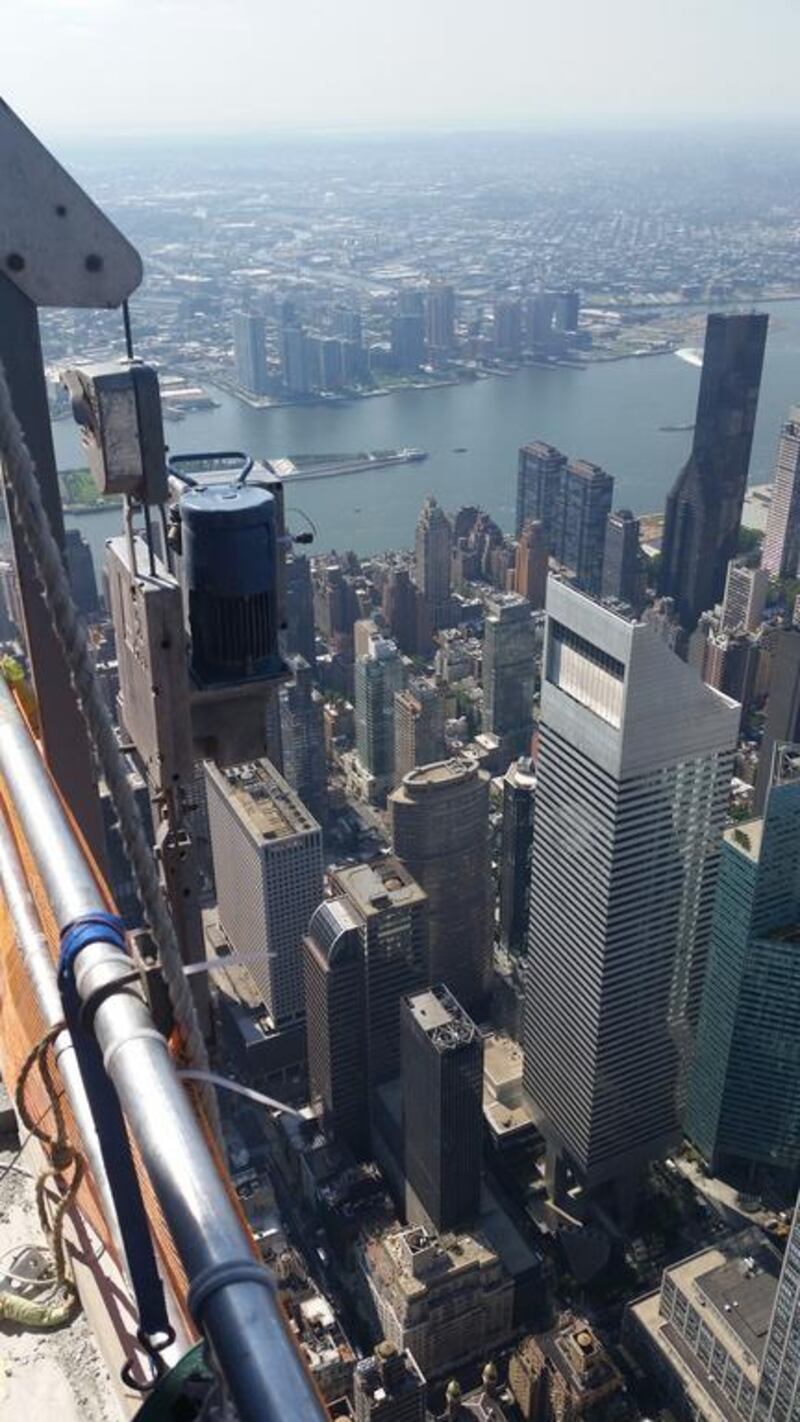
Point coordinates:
[[783, 707], [391, 911], [440, 830], [778, 1396], [587, 495], [780, 554], [516, 841], [267, 852], [418, 726], [406, 613], [704, 508], [379, 673], [389, 1387], [509, 672], [300, 636], [508, 327], [622, 564], [633, 771], [434, 545], [80, 566], [442, 1081], [440, 316], [297, 375], [250, 352], [303, 739], [531, 562], [745, 598], [539, 489], [744, 1101], [408, 342], [335, 1024]]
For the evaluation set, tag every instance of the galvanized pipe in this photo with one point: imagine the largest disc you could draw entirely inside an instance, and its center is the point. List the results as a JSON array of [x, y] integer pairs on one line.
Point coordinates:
[[242, 1320], [36, 956]]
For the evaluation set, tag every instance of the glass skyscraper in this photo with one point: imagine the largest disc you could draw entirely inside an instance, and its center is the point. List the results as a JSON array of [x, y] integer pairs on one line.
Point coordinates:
[[778, 1398], [704, 507], [744, 1102], [632, 778]]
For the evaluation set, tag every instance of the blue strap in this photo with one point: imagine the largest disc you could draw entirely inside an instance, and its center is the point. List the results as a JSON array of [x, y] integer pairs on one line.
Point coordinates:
[[103, 927]]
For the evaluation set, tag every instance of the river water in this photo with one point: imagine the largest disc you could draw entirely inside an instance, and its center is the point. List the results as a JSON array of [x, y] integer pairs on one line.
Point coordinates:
[[609, 413]]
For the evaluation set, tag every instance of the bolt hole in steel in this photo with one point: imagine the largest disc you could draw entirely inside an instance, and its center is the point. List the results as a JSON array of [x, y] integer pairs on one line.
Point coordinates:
[[94, 263], [15, 262], [61, 210]]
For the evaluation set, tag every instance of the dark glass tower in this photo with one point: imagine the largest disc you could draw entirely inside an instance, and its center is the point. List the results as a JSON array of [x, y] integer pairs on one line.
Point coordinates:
[[704, 508], [622, 574], [442, 1076]]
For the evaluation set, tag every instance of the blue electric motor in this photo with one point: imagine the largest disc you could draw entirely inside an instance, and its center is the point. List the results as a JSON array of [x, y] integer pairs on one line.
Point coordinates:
[[229, 537]]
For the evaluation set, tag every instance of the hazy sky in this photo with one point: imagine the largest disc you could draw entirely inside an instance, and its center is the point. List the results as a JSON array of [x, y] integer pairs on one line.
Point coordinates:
[[221, 66]]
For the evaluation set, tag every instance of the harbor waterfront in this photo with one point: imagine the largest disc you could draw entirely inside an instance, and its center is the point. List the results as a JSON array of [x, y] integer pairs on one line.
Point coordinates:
[[612, 413]]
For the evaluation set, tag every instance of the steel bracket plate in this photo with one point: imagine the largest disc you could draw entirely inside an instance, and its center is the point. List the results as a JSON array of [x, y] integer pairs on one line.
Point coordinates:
[[56, 246]]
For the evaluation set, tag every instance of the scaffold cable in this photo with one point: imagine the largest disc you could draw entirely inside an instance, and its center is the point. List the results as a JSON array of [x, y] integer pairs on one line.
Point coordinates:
[[28, 510]]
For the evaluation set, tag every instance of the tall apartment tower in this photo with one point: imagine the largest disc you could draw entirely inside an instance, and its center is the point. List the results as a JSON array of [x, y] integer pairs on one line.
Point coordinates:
[[333, 960], [379, 673], [634, 765], [539, 489], [782, 722], [418, 726], [440, 317], [250, 352], [391, 911], [622, 564], [389, 1387], [530, 563], [303, 738], [508, 328], [442, 1082], [509, 672], [440, 830], [434, 551], [267, 851], [780, 555], [516, 840], [704, 507], [745, 598], [744, 1101], [778, 1396], [587, 494]]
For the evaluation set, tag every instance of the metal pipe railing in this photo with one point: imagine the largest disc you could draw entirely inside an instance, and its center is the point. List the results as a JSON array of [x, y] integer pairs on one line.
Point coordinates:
[[35, 953], [241, 1318]]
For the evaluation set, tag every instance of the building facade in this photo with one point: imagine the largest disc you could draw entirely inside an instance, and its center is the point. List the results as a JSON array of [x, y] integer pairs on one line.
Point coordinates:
[[531, 563], [303, 738], [780, 555], [434, 551], [442, 1077], [250, 352], [633, 771], [379, 674], [516, 844], [389, 1387], [622, 564], [704, 507], [418, 726], [745, 598], [744, 1102], [335, 1024], [267, 851], [778, 1398], [440, 830], [539, 482], [588, 491], [509, 672]]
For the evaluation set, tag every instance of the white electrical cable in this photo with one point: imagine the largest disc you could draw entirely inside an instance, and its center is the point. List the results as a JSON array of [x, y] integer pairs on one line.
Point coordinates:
[[212, 1077]]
